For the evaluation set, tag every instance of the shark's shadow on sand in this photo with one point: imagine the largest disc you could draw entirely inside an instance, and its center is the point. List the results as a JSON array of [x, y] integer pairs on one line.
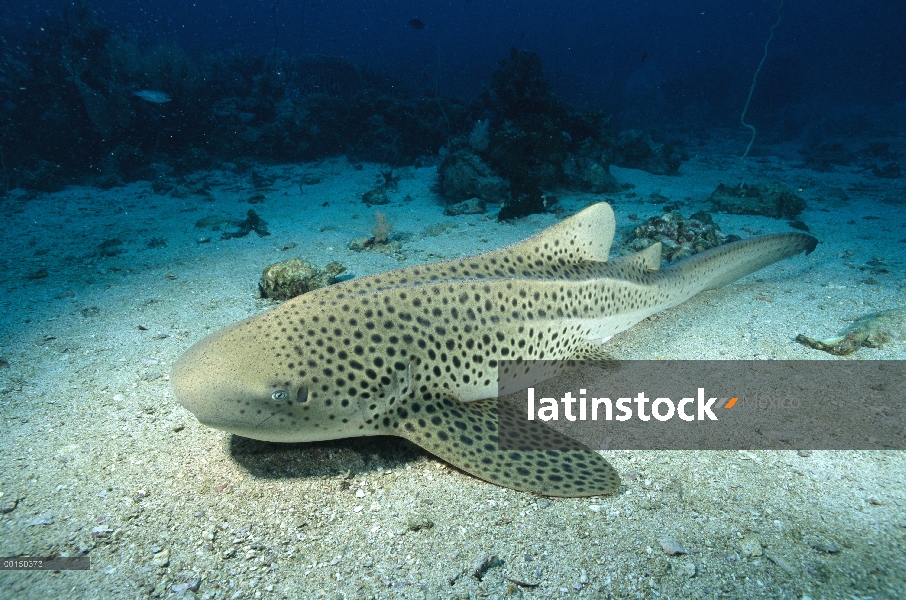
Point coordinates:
[[348, 458], [351, 457]]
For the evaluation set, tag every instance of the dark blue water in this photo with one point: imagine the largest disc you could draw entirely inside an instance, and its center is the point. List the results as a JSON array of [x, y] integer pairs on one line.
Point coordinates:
[[69, 70], [596, 53]]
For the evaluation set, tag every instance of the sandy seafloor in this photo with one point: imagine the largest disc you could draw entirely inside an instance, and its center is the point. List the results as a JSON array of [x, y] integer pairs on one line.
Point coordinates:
[[96, 455]]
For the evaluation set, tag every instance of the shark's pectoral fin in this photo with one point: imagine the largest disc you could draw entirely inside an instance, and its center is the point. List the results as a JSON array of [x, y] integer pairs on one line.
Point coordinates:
[[466, 436]]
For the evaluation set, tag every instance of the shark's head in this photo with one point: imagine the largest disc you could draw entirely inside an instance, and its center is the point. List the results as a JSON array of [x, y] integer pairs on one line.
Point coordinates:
[[249, 379]]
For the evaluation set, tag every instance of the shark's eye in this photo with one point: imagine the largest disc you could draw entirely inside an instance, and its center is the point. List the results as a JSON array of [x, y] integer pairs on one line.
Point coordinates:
[[279, 396]]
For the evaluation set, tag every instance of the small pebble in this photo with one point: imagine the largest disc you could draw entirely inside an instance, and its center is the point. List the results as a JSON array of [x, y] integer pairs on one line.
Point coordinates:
[[671, 546], [419, 522], [688, 569], [782, 563], [360, 493], [829, 547], [42, 520], [750, 546], [483, 564], [162, 558]]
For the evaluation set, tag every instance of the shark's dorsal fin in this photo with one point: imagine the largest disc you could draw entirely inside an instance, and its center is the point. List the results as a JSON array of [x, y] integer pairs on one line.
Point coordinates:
[[648, 259], [584, 237]]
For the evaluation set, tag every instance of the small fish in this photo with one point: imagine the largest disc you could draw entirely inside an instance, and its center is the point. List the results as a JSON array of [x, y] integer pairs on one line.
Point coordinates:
[[416, 24], [155, 96]]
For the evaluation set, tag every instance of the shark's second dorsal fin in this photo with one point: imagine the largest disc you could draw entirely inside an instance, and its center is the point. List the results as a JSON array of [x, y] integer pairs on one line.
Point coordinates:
[[583, 237], [648, 259], [635, 265]]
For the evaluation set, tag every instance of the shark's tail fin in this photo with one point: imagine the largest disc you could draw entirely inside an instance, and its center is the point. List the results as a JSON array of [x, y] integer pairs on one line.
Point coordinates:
[[729, 262]]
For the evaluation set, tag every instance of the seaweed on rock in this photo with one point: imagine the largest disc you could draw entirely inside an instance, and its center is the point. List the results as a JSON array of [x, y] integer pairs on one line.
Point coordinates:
[[80, 102], [528, 141]]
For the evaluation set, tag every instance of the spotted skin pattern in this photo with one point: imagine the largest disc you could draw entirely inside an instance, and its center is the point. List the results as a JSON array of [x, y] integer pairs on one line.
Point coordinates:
[[414, 352]]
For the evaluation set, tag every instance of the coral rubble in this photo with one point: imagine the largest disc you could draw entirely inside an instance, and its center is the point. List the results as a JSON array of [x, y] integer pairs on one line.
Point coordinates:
[[767, 199], [290, 278], [679, 237], [870, 331], [251, 223]]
